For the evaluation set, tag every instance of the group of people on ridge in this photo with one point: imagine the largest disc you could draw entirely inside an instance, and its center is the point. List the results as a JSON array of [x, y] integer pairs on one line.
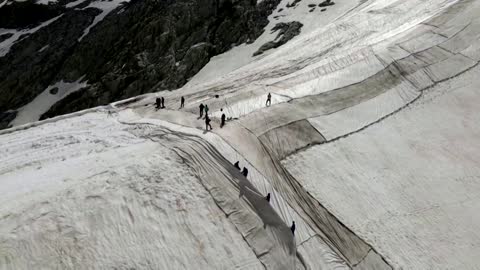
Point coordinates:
[[160, 104]]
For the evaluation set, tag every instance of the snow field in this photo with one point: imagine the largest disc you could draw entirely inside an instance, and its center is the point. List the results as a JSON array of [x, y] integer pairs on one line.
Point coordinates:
[[106, 198], [412, 178]]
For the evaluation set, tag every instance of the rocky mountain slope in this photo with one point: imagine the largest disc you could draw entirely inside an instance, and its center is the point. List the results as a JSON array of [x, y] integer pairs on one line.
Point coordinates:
[[121, 49]]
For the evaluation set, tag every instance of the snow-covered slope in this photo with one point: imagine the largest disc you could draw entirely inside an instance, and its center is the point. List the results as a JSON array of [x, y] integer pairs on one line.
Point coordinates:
[[370, 146], [88, 193]]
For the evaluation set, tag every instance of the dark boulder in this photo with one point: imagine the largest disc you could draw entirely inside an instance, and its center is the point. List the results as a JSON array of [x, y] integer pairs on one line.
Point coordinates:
[[54, 91]]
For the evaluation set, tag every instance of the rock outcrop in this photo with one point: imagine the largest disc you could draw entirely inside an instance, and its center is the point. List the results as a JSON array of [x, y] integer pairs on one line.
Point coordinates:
[[286, 31]]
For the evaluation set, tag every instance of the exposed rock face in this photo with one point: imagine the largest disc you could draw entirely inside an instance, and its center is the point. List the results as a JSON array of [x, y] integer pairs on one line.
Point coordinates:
[[25, 72], [140, 47], [287, 32], [24, 14], [6, 118], [5, 36]]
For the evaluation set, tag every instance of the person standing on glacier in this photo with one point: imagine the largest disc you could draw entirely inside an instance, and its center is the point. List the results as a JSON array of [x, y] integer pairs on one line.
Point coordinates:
[[269, 100], [206, 110], [201, 109], [182, 102], [245, 172], [222, 123], [207, 122]]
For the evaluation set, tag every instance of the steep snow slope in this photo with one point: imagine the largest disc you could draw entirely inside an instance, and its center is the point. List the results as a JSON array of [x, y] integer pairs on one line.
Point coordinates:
[[242, 55]]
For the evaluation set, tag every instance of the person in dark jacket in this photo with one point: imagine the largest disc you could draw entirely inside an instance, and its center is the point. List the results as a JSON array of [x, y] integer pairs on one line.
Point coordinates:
[[245, 172], [236, 164], [182, 102], [201, 109], [158, 103], [163, 103], [292, 228], [269, 100], [268, 197], [207, 122], [222, 123]]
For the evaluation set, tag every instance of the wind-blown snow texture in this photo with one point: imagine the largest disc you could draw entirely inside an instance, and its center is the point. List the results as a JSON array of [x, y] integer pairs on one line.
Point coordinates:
[[370, 145]]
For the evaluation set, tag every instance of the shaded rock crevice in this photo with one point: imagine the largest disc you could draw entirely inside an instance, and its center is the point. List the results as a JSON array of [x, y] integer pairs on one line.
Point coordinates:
[[286, 31]]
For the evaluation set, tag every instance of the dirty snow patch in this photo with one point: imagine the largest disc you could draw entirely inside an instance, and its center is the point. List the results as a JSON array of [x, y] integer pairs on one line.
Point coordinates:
[[43, 102]]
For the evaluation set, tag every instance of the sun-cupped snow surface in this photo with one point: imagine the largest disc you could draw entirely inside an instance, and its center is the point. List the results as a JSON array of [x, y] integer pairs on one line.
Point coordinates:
[[16, 34], [106, 6], [87, 193]]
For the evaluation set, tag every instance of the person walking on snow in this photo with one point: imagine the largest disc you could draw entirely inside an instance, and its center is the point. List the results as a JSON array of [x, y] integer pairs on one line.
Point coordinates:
[[182, 102], [236, 165], [163, 103], [292, 228], [207, 122], [201, 109], [268, 197], [245, 172], [206, 110], [222, 123], [269, 100], [158, 103]]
